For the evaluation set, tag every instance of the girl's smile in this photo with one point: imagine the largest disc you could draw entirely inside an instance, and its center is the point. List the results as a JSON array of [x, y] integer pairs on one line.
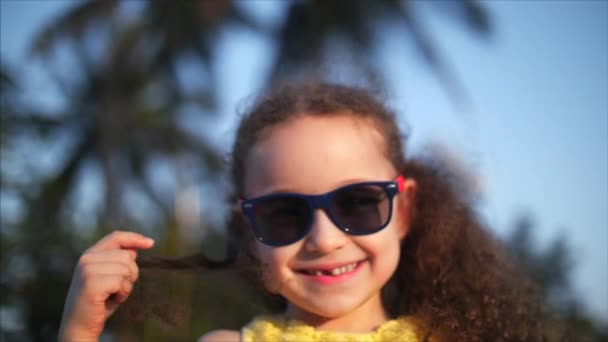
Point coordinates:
[[328, 274]]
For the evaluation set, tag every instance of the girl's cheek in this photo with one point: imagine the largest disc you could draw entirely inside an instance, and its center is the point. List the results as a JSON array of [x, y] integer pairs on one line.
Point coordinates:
[[269, 279]]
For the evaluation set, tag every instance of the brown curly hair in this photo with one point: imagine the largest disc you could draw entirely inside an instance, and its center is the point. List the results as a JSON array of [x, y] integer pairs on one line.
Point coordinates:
[[453, 275]]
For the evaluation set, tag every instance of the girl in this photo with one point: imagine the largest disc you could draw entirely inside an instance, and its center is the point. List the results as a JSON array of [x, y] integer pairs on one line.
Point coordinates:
[[352, 240]]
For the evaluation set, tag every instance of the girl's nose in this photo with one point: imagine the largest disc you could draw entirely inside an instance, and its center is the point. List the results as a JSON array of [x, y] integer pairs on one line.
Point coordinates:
[[324, 236]]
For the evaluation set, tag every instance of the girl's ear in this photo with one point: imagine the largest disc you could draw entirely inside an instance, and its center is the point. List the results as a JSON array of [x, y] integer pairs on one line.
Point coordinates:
[[407, 202]]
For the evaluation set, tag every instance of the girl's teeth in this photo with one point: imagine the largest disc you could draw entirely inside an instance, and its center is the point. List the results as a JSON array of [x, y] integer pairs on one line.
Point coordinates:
[[336, 271]]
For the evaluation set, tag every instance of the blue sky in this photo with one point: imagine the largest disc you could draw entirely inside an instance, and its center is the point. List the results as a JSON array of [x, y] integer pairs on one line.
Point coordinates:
[[536, 130]]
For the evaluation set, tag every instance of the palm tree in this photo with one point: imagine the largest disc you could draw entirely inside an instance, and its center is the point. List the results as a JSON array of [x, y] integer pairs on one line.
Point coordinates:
[[311, 27], [123, 115], [550, 268], [127, 101]]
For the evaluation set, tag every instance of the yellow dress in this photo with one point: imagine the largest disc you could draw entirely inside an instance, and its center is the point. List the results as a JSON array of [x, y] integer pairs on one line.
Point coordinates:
[[277, 328]]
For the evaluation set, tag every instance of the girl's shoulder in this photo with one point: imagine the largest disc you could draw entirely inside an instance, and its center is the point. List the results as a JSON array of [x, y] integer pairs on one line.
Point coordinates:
[[221, 336]]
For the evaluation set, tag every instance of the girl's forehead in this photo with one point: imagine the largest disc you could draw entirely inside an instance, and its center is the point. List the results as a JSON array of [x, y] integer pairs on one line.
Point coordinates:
[[314, 154]]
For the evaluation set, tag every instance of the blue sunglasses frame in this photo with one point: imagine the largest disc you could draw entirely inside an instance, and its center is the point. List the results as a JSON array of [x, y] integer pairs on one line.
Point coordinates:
[[321, 201]]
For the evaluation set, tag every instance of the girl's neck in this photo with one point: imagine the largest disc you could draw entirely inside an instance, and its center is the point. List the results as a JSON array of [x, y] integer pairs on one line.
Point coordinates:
[[365, 318]]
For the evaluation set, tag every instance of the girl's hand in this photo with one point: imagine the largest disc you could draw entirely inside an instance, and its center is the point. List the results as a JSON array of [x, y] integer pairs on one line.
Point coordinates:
[[103, 279]]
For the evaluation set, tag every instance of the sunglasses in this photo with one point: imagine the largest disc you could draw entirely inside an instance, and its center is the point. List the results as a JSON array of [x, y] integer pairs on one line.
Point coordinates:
[[358, 209]]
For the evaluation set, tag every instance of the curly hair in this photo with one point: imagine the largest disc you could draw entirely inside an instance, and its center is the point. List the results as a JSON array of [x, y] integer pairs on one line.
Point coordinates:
[[453, 276]]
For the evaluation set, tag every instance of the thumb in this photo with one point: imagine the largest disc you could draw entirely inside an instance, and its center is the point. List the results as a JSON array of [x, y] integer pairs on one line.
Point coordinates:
[[117, 298]]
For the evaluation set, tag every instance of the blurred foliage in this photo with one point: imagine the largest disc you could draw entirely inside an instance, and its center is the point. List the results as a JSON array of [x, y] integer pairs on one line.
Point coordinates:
[[125, 104], [550, 267]]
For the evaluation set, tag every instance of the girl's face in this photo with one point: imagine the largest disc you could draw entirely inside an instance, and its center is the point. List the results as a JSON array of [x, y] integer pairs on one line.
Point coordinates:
[[314, 155]]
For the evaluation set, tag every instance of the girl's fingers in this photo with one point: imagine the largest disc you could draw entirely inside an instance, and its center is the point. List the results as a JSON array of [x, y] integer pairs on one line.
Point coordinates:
[[108, 285], [93, 272], [124, 257], [123, 240], [125, 290]]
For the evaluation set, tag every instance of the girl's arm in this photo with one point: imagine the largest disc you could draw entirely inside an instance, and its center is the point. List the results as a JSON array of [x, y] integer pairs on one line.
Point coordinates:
[[103, 279]]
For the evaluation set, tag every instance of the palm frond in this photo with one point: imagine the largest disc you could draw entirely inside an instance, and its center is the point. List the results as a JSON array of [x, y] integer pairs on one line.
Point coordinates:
[[73, 24], [6, 79]]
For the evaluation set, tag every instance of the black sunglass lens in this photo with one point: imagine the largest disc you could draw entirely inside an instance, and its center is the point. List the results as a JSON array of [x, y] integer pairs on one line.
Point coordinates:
[[281, 219], [361, 209]]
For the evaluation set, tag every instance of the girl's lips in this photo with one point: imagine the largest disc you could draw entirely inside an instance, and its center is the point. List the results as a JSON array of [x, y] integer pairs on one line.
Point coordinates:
[[330, 274]]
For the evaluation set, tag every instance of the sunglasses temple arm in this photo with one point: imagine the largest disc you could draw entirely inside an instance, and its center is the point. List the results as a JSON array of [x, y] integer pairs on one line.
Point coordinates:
[[400, 183]]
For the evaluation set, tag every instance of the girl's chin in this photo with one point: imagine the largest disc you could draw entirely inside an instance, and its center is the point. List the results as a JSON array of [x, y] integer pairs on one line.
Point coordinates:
[[337, 319]]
